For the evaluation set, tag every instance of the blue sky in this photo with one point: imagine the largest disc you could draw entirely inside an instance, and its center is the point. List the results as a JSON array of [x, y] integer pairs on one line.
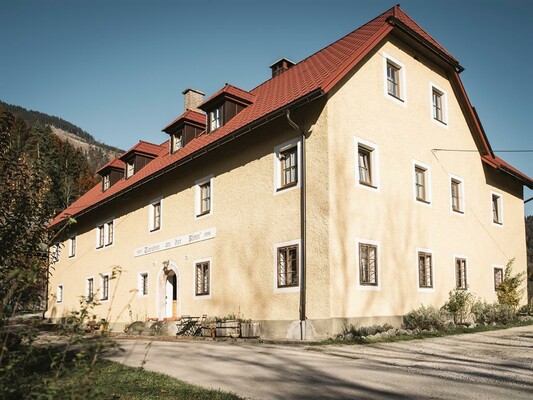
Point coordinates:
[[117, 68]]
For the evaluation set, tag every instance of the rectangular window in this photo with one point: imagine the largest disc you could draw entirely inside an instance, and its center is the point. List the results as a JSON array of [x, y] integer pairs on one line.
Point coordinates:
[[105, 288], [368, 264], [202, 278], [106, 182], [110, 233], [104, 234], [143, 284], [497, 210], [437, 99], [365, 165], [176, 142], [460, 273], [215, 119], [59, 296], [498, 277], [130, 168], [457, 195], [90, 288], [205, 198], [288, 266], [72, 247], [420, 184], [393, 79], [100, 237], [289, 167], [425, 270], [156, 216]]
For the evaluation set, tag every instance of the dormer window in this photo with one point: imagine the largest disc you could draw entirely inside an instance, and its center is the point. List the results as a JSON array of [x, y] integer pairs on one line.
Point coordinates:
[[106, 182], [176, 142], [130, 169], [215, 119]]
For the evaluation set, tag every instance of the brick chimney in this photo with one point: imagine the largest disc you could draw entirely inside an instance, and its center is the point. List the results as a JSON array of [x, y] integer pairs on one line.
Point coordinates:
[[192, 98], [280, 66]]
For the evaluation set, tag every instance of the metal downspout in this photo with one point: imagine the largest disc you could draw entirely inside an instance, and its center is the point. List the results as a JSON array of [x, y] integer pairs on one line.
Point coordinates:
[[302, 228]]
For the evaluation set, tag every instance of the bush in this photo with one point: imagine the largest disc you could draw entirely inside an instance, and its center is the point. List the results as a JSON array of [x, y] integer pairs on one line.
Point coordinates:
[[366, 330], [507, 291], [486, 313], [429, 318], [459, 304]]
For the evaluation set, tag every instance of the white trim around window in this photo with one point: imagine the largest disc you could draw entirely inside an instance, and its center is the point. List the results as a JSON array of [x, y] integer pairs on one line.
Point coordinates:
[[433, 114], [59, 293], [493, 280], [417, 165], [402, 99], [140, 284], [467, 267], [208, 260], [152, 228], [288, 289], [88, 286], [72, 246], [278, 151], [425, 289], [108, 228], [379, 266], [461, 195], [372, 151], [105, 287], [198, 212], [496, 200]]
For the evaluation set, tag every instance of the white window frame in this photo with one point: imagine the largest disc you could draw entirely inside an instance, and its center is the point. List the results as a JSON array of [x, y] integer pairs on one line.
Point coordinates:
[[427, 182], [105, 225], [198, 196], [203, 296], [464, 257], [278, 150], [215, 119], [151, 215], [87, 294], [462, 201], [367, 287], [374, 164], [494, 268], [176, 142], [140, 284], [444, 97], [387, 58], [433, 271], [106, 182], [290, 289], [130, 168], [102, 278], [499, 223], [59, 293], [72, 246]]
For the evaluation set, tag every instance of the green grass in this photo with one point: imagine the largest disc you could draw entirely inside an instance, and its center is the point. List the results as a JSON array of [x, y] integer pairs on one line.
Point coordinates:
[[111, 380], [423, 335]]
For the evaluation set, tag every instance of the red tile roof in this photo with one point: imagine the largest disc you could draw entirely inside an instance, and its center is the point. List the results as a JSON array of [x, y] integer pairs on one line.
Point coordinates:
[[315, 75], [145, 148], [230, 91], [114, 163], [189, 115]]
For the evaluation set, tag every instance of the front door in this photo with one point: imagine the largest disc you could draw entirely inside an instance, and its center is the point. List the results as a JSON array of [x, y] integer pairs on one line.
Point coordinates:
[[171, 295]]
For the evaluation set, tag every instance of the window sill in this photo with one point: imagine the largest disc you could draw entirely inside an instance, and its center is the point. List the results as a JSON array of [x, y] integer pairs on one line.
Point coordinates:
[[439, 121], [395, 97], [497, 223], [288, 186], [422, 201], [369, 185], [203, 214], [155, 230], [201, 294], [458, 212]]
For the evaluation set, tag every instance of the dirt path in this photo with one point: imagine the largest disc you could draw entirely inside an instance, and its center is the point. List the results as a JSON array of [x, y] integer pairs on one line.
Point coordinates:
[[491, 365]]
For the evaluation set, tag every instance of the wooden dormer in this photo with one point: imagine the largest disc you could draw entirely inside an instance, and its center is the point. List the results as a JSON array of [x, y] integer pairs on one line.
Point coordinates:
[[111, 173], [138, 156], [185, 128], [224, 105]]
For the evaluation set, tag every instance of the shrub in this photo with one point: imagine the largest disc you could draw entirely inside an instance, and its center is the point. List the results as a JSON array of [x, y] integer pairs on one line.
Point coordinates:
[[459, 304], [366, 330], [486, 313], [429, 318], [508, 292]]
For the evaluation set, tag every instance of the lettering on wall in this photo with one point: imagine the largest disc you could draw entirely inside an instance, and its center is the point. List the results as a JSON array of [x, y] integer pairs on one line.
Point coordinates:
[[176, 242]]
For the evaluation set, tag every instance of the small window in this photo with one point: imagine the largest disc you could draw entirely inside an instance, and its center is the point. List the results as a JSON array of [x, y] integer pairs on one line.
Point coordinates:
[[368, 264], [100, 236], [288, 266], [425, 270], [457, 195], [176, 142], [393, 79], [104, 234], [437, 99], [498, 277], [89, 288], [422, 182], [289, 167], [205, 198], [202, 278], [105, 287], [110, 233], [215, 119], [497, 209], [59, 295], [106, 182], [365, 165], [143, 284], [460, 273], [156, 216], [72, 247], [130, 168]]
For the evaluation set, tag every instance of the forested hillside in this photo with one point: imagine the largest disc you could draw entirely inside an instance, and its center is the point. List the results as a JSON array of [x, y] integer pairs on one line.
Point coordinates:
[[97, 153]]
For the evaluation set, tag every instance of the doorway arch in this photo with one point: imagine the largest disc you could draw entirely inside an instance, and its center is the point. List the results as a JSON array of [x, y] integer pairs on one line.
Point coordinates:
[[169, 293]]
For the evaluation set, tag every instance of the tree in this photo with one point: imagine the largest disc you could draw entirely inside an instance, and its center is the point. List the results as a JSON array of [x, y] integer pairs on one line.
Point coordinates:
[[508, 291]]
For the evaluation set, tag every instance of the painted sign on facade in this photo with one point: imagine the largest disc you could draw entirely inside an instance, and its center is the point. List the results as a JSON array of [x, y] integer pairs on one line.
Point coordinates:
[[176, 242]]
